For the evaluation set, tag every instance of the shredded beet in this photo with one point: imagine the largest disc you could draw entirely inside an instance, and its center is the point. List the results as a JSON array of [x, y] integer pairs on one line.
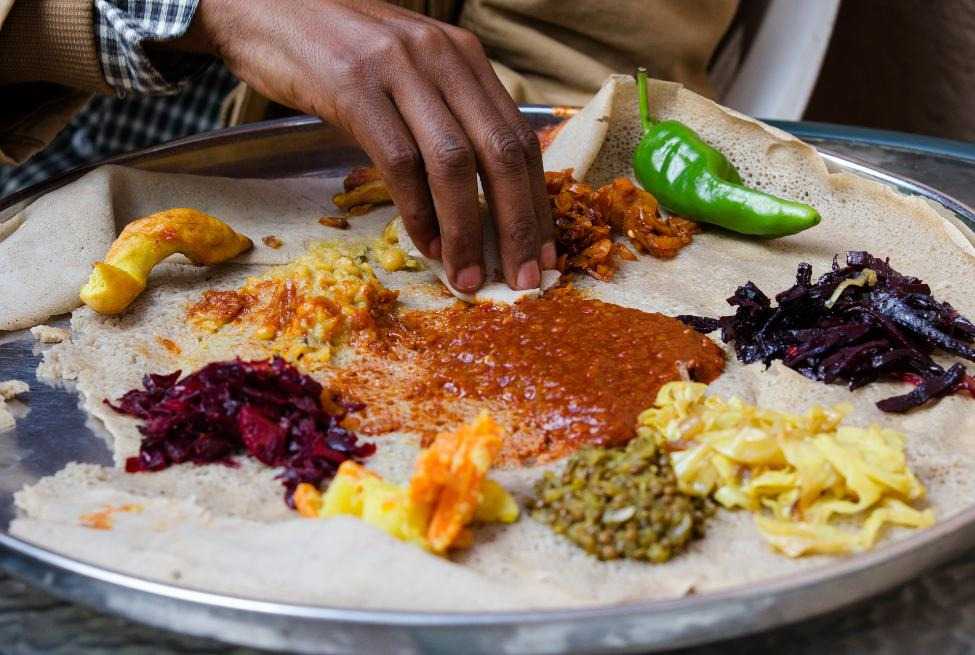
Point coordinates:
[[882, 327], [264, 408]]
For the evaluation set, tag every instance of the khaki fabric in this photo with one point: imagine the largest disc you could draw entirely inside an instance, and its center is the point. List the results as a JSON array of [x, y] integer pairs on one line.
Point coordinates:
[[557, 52], [32, 114], [53, 41]]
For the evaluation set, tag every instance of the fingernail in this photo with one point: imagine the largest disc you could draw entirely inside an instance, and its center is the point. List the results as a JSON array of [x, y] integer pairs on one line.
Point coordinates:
[[529, 276], [469, 279], [549, 256], [435, 247]]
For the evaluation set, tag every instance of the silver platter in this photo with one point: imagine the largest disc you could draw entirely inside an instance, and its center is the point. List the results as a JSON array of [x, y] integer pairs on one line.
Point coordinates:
[[53, 431]]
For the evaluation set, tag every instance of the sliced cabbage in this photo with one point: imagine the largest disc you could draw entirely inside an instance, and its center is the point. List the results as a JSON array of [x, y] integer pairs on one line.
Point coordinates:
[[814, 485]]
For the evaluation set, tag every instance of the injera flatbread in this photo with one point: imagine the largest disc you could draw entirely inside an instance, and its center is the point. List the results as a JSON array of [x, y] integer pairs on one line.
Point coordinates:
[[47, 248], [493, 290], [225, 529]]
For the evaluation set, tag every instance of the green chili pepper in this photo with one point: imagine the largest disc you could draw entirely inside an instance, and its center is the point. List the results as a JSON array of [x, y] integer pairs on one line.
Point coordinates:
[[692, 179]]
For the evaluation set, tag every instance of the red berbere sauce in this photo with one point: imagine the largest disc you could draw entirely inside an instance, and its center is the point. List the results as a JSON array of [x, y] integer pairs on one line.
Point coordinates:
[[267, 409], [582, 369], [558, 372]]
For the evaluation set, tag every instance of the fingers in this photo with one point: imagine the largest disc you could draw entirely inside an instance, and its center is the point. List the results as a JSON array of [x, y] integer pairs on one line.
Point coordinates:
[[501, 159], [507, 156], [451, 172], [446, 118], [381, 131], [470, 47], [504, 168]]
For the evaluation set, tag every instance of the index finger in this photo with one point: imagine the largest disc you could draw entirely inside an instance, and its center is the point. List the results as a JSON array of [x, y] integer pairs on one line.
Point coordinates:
[[471, 49], [503, 164]]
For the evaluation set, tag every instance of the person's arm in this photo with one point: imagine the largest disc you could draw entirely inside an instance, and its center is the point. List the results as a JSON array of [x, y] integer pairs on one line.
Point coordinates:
[[420, 97], [100, 46], [47, 52]]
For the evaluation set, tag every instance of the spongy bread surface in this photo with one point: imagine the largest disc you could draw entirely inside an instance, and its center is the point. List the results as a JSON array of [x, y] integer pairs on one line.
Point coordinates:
[[47, 248], [226, 514]]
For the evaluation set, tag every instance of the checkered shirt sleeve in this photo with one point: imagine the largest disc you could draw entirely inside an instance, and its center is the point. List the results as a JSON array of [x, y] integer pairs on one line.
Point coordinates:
[[124, 27]]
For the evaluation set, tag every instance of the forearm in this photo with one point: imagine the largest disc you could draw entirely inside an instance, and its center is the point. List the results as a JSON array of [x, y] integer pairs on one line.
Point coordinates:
[[51, 41]]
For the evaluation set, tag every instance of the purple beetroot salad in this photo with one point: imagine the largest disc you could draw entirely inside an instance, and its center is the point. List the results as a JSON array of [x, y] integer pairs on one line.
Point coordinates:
[[264, 408], [879, 326]]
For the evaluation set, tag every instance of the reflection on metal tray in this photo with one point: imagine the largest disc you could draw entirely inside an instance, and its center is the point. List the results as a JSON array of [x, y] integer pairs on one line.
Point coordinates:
[[53, 431]]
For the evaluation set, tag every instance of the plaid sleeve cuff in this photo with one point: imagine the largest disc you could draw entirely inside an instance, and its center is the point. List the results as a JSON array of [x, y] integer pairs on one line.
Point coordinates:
[[124, 27]]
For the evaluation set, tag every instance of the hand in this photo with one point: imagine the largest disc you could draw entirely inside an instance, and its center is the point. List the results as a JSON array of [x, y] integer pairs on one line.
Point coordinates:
[[421, 98]]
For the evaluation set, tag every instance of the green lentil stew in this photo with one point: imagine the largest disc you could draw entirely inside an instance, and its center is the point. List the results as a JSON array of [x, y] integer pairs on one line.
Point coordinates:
[[621, 502]]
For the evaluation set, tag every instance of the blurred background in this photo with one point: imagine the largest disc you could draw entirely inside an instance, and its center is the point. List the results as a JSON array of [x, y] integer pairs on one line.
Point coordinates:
[[903, 65], [906, 65]]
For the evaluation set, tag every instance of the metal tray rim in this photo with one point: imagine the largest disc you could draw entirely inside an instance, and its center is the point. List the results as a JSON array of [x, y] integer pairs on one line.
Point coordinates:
[[788, 582], [27, 560]]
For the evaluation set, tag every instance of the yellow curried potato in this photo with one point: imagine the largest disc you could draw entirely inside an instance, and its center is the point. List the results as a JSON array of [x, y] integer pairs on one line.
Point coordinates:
[[390, 254], [448, 491], [814, 485], [356, 491], [117, 281], [496, 506]]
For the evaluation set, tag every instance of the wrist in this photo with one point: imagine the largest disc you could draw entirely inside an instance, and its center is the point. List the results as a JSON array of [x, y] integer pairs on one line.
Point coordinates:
[[202, 36]]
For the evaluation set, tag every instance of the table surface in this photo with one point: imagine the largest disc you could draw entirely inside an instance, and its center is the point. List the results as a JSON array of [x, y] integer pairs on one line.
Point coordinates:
[[933, 614]]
